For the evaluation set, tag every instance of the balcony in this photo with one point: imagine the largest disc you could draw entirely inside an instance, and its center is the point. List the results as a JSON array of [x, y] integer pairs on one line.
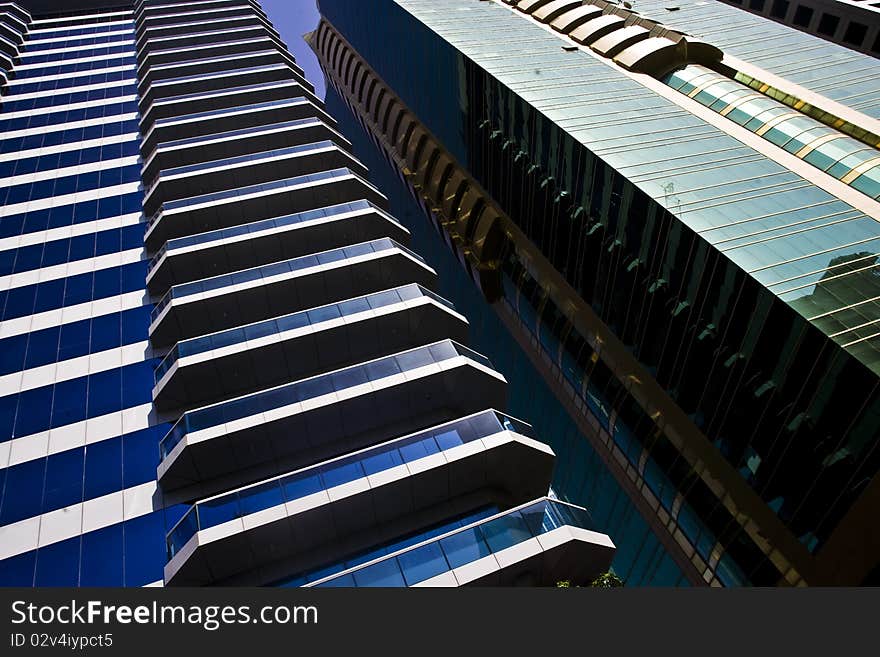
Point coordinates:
[[241, 141], [144, 10], [268, 353], [8, 48], [239, 117], [312, 419], [282, 83], [202, 14], [198, 83], [537, 544], [9, 30], [250, 169], [194, 65], [289, 521], [156, 58], [204, 255], [196, 26], [196, 23], [243, 297], [233, 207], [218, 36], [17, 13]]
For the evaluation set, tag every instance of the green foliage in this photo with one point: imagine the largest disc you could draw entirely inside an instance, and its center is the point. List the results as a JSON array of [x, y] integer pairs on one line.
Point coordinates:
[[607, 581], [604, 581]]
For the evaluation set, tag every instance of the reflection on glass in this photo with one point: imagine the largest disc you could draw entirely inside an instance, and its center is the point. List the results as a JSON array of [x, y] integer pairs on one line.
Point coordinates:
[[241, 132], [781, 125], [274, 269], [275, 185], [264, 225], [486, 537], [314, 479]]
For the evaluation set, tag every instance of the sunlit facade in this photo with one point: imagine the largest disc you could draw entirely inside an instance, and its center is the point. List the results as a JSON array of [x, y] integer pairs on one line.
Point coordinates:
[[675, 212], [222, 363]]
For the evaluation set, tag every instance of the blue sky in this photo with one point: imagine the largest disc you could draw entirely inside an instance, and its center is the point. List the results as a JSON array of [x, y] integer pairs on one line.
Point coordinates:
[[292, 19]]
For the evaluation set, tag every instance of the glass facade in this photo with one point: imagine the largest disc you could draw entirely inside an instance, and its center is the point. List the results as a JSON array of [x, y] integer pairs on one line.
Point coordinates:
[[581, 476], [382, 550], [291, 487], [172, 191], [485, 538], [258, 404], [851, 161], [79, 464], [726, 305]]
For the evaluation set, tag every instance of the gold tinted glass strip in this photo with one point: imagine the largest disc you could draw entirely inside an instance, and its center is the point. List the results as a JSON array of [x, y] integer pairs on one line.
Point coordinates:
[[813, 112], [859, 170]]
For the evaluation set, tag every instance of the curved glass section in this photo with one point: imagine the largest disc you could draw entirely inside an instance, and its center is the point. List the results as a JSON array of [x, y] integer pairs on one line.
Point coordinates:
[[849, 160], [817, 113], [869, 182], [316, 386], [487, 537], [289, 487], [301, 319]]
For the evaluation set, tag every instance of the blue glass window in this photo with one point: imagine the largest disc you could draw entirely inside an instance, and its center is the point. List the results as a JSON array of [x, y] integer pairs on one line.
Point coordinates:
[[73, 290], [94, 51], [64, 480], [58, 564], [106, 93], [36, 46], [140, 455], [103, 468], [66, 215], [18, 570], [77, 399], [62, 69], [23, 495], [101, 561], [385, 573], [144, 549], [27, 165]]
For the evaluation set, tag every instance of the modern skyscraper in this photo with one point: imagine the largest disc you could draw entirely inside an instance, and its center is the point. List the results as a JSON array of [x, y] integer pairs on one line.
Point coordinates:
[[851, 23], [221, 362], [674, 209]]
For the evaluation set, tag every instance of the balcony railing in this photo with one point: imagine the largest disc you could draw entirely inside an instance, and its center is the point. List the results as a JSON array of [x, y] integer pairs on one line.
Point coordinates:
[[276, 268], [313, 387], [225, 163], [293, 321], [170, 100], [244, 191], [262, 225], [216, 74], [225, 110], [487, 537], [241, 132], [287, 488]]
